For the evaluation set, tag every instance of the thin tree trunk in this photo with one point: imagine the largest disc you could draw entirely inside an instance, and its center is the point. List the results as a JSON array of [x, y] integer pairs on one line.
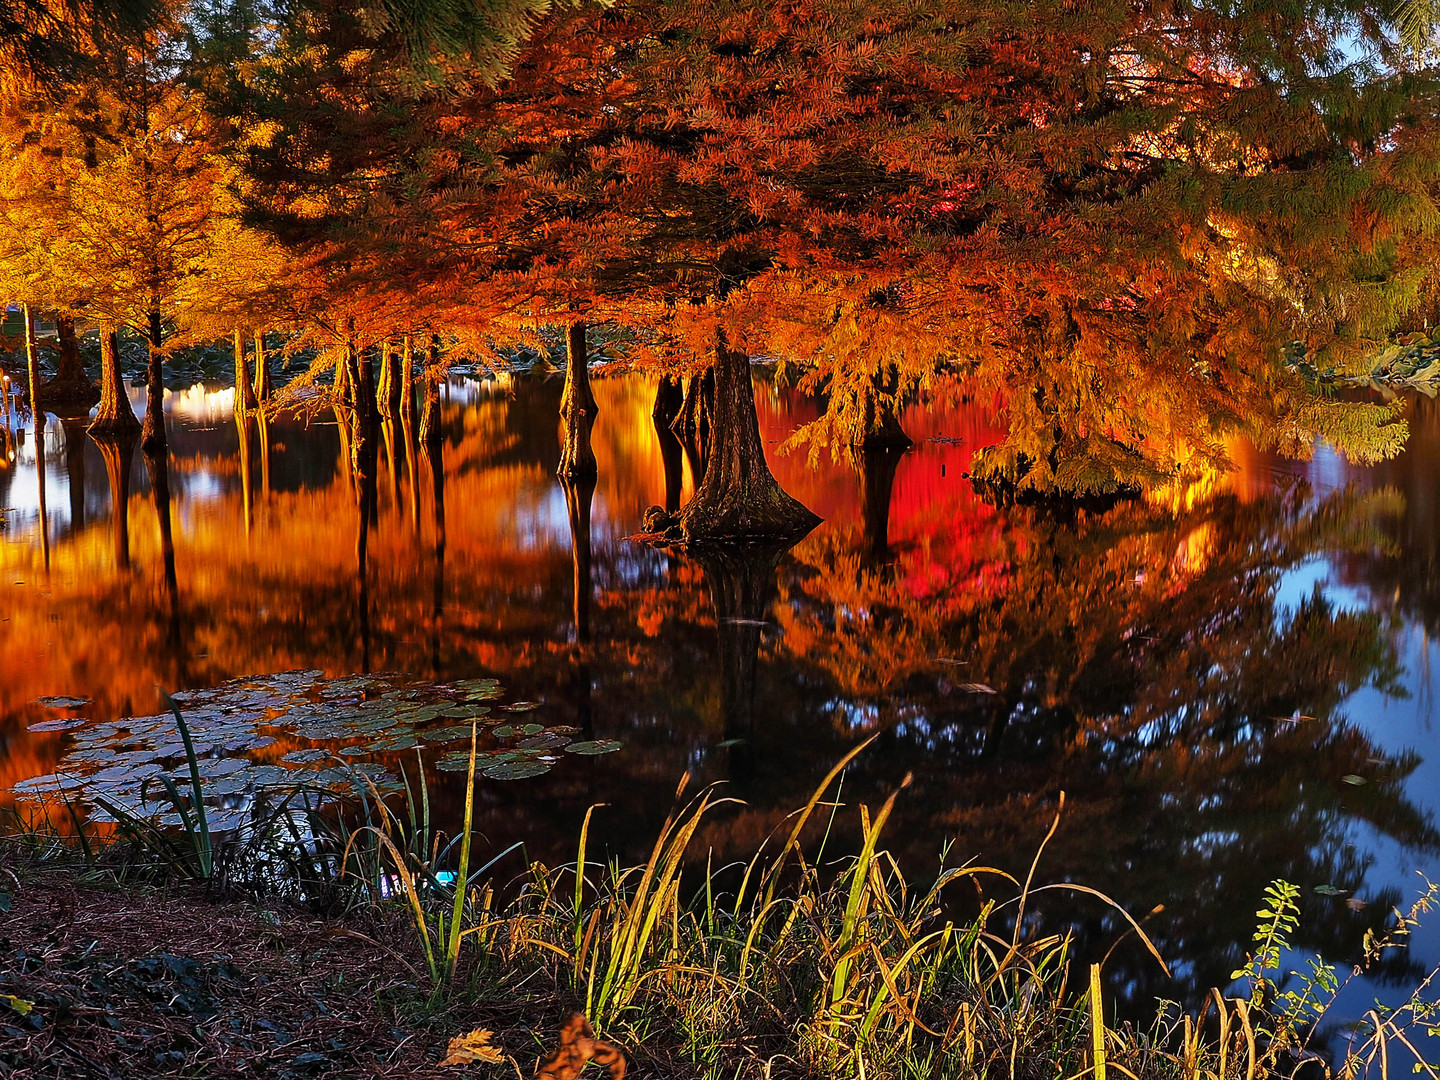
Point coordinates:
[[693, 422], [577, 408], [672, 457], [263, 389], [739, 499], [116, 415], [430, 434], [407, 429], [152, 432], [244, 391], [70, 392], [387, 392], [363, 445], [32, 365]]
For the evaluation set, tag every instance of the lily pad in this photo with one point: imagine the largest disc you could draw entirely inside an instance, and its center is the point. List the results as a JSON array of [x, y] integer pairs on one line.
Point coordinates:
[[593, 748], [57, 725], [60, 702], [545, 741], [521, 706], [516, 770]]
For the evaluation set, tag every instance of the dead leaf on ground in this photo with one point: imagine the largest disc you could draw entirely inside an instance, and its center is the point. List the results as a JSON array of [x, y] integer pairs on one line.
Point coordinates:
[[472, 1047]]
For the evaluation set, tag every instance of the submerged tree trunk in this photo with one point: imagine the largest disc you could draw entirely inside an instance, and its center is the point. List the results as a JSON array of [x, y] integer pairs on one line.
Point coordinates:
[[263, 389], [152, 433], [70, 391], [118, 449], [116, 415], [244, 391], [577, 408], [739, 498]]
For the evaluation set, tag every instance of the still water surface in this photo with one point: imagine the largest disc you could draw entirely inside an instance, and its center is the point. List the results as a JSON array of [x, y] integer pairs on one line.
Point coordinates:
[[1230, 682]]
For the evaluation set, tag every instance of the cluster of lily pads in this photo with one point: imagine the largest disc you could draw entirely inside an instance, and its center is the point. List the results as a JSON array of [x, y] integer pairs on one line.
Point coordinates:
[[346, 727]]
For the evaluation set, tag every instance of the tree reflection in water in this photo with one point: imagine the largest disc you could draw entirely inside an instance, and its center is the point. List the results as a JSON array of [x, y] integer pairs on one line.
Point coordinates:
[[1150, 658]]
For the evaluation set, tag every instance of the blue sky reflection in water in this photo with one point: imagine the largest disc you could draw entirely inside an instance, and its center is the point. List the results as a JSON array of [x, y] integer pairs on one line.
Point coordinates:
[[1206, 672]]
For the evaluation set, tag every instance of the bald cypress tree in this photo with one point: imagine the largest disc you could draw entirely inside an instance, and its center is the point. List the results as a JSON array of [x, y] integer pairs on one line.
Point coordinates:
[[1112, 220]]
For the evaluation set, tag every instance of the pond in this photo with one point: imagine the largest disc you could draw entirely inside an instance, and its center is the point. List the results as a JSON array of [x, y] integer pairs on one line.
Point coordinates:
[[1229, 681]]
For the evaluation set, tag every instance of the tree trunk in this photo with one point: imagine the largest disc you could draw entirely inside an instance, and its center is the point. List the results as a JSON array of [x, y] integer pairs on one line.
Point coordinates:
[[32, 365], [430, 434], [577, 408], [387, 393], [882, 429], [244, 391], [117, 448], [669, 398], [364, 448], [739, 498], [263, 389], [672, 457], [408, 431], [116, 415], [70, 392], [152, 432], [693, 422]]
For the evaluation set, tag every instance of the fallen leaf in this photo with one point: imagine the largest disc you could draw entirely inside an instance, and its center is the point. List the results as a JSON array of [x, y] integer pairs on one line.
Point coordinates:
[[475, 1046]]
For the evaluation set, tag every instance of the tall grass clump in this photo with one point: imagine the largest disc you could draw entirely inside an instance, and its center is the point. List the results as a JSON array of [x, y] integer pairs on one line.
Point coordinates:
[[798, 963], [792, 965]]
